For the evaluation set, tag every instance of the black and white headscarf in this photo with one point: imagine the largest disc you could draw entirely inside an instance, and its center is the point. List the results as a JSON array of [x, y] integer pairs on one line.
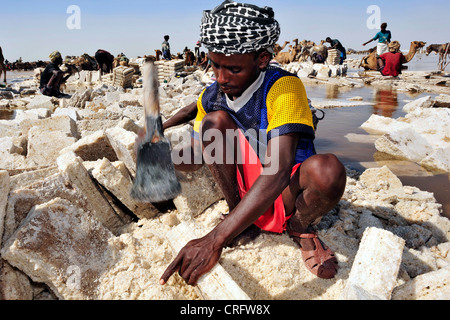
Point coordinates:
[[238, 28]]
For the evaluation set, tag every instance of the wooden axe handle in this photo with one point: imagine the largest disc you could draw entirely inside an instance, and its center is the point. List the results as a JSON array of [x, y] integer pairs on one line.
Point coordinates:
[[151, 95]]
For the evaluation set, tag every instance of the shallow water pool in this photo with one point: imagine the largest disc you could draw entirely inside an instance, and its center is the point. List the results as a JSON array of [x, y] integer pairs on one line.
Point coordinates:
[[340, 133]]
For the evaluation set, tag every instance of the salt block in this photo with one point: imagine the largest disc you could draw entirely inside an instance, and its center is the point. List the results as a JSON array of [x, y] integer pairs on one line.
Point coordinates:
[[55, 123], [123, 143], [376, 265], [198, 191], [119, 184], [44, 145], [14, 284], [442, 101], [217, 284], [62, 246], [4, 191], [29, 177], [424, 102], [129, 99], [22, 199], [404, 144], [374, 176], [92, 147], [9, 128], [434, 285], [73, 167], [381, 125], [41, 102], [12, 161], [72, 113], [439, 159]]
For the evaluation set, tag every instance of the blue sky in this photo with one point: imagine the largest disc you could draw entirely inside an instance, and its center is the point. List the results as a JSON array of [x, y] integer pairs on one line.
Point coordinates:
[[32, 29]]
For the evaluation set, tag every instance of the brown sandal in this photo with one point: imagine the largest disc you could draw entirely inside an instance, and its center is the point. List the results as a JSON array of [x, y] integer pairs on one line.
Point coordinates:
[[321, 261]]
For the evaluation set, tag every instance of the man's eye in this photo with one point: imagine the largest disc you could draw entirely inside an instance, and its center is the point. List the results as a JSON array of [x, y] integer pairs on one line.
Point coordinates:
[[235, 70]]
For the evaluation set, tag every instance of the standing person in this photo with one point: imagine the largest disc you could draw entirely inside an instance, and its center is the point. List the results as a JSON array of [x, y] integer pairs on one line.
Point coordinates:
[[336, 44], [3, 65], [197, 50], [52, 77], [165, 48], [104, 61], [384, 38], [289, 187]]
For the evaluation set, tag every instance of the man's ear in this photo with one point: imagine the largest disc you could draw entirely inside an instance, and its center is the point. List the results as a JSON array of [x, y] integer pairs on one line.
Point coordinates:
[[264, 59]]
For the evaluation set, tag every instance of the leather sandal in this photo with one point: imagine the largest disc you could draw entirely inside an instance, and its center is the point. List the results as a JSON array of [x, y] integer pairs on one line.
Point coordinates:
[[321, 261]]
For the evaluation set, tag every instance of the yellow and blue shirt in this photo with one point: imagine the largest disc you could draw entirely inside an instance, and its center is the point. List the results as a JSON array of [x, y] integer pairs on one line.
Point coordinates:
[[277, 106]]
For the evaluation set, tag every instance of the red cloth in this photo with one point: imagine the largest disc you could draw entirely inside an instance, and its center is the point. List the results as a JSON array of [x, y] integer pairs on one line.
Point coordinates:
[[393, 63], [274, 219]]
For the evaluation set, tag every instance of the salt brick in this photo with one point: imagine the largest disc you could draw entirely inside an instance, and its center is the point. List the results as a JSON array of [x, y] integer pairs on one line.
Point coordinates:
[[4, 192], [376, 265], [123, 143], [434, 285], [73, 167], [120, 185], [62, 246]]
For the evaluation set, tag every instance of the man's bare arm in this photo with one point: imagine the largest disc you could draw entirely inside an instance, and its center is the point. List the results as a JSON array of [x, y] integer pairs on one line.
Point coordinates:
[[185, 115], [200, 255]]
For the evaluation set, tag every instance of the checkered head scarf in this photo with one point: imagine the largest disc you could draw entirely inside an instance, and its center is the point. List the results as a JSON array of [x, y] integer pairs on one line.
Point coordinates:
[[54, 55], [238, 28]]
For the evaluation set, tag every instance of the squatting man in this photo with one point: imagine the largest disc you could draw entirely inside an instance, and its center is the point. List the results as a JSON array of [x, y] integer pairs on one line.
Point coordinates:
[[249, 95]]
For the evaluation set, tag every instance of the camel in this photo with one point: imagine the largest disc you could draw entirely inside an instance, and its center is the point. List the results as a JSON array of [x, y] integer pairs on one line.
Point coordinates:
[[2, 65], [287, 57], [154, 58], [86, 62], [304, 49], [277, 48], [319, 50], [369, 62], [158, 54], [443, 50], [189, 59]]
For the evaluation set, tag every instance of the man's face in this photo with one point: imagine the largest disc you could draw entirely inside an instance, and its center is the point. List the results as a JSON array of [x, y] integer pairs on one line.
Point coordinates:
[[235, 73], [58, 61]]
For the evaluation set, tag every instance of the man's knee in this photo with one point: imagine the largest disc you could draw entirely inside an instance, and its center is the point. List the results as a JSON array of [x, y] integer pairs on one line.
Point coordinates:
[[328, 175], [219, 120]]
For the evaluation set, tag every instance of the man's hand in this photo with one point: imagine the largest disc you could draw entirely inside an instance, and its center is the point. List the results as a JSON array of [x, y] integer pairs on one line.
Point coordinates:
[[198, 257]]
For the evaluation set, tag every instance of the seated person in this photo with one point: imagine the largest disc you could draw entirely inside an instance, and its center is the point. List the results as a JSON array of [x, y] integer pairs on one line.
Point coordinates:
[[52, 77], [390, 63]]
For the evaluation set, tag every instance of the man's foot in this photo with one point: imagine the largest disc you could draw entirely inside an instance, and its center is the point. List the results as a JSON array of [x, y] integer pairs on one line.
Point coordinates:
[[318, 258]]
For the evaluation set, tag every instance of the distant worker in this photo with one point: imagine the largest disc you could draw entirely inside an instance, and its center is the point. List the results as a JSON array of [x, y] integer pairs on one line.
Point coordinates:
[[197, 49], [390, 63], [336, 44], [165, 48], [104, 61], [52, 77], [384, 38]]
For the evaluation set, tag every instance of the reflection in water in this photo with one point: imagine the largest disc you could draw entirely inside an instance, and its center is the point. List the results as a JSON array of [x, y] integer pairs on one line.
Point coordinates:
[[386, 102], [332, 91]]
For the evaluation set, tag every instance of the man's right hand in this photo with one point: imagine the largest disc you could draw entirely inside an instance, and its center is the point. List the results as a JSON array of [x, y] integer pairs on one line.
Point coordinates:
[[198, 257]]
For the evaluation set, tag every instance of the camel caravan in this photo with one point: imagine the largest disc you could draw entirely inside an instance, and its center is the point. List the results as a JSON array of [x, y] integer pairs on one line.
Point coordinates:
[[299, 51]]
